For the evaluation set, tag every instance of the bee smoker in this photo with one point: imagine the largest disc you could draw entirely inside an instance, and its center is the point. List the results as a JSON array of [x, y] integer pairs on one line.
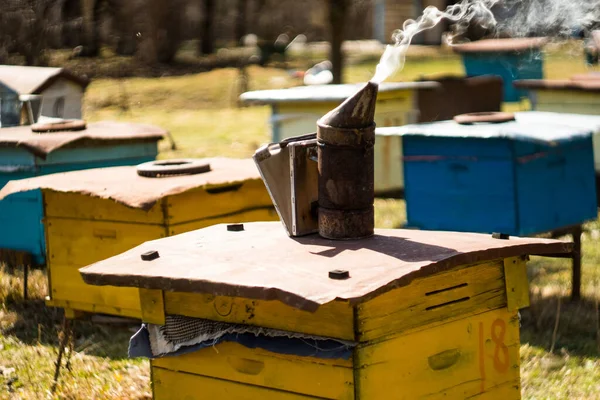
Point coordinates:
[[325, 182]]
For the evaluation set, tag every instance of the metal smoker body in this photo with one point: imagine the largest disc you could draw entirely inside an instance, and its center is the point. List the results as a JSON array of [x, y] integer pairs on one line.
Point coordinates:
[[345, 141], [342, 179]]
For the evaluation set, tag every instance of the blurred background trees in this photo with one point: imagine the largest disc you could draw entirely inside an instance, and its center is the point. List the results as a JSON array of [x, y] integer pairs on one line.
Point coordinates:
[[153, 30]]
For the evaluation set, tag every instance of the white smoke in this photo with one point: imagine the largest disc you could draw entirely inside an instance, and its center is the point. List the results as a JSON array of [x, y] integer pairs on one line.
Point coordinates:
[[512, 18]]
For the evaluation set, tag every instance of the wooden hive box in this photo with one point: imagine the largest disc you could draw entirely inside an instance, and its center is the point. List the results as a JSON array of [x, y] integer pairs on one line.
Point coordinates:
[[420, 315], [510, 59], [520, 177], [295, 111], [24, 154], [578, 95], [94, 214]]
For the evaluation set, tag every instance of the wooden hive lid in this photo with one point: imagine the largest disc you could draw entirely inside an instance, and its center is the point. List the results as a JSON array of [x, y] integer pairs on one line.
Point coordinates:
[[533, 126], [125, 186], [580, 85], [105, 132], [327, 93], [34, 80], [508, 45], [262, 262]]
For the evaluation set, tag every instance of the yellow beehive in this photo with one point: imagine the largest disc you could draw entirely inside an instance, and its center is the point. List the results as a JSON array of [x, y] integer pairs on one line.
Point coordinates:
[[579, 95], [422, 314], [94, 214]]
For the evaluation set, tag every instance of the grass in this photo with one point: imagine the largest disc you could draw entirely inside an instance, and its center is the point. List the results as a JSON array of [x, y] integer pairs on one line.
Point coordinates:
[[201, 112]]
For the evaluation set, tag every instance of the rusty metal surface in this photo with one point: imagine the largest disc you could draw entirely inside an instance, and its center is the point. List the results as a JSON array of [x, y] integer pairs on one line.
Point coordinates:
[[346, 224], [487, 116], [459, 95], [41, 144], [346, 177], [345, 144], [33, 80], [125, 186], [589, 85], [511, 45], [262, 262]]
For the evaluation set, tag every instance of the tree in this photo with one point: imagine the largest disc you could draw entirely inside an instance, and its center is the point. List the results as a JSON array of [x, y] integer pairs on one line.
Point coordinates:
[[338, 12], [24, 26], [207, 36], [240, 20]]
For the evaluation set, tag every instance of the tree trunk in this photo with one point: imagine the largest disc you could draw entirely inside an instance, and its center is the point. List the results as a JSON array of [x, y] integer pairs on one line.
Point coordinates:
[[338, 9], [240, 20], [207, 38]]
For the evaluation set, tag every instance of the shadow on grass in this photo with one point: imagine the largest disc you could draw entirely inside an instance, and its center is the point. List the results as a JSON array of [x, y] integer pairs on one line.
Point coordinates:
[[32, 322], [35, 323], [577, 331]]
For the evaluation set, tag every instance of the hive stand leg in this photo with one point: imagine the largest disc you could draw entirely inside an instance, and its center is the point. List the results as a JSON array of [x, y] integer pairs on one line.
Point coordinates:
[[65, 337], [25, 279], [576, 256]]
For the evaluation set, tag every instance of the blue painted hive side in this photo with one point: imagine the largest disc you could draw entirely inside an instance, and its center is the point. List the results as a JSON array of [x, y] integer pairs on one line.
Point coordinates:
[[21, 214], [509, 66], [497, 184]]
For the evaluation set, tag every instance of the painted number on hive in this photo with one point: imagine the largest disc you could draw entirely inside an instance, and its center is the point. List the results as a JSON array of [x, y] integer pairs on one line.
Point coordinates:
[[500, 357]]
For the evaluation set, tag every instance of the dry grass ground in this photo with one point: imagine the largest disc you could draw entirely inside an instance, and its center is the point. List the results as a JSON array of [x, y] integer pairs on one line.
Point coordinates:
[[200, 110]]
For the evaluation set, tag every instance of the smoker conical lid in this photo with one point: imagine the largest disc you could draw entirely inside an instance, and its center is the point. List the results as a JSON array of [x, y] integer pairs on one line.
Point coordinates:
[[357, 111]]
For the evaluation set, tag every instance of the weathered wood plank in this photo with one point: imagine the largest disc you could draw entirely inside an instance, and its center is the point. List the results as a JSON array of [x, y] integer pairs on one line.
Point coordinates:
[[67, 285], [331, 379], [517, 284], [79, 206], [449, 295], [82, 242], [153, 306], [217, 200], [78, 307], [179, 385], [331, 320], [261, 214], [457, 360]]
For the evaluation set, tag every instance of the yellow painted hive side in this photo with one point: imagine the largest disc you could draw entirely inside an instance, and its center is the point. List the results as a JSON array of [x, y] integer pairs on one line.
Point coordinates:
[[335, 319], [566, 101], [469, 357], [469, 289], [229, 366], [233, 371], [81, 230], [261, 214], [451, 335], [218, 201]]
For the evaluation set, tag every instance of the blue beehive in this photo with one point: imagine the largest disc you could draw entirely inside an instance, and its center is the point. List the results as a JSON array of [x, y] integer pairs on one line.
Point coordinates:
[[510, 59], [519, 178], [25, 154]]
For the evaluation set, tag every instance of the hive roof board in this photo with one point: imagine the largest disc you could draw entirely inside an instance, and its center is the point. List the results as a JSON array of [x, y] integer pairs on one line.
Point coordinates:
[[324, 93], [33, 80], [583, 85], [509, 45], [116, 183], [262, 262], [538, 127], [41, 144]]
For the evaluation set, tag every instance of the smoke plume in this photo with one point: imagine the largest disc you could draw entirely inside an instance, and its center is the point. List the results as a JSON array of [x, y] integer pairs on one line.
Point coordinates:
[[507, 18]]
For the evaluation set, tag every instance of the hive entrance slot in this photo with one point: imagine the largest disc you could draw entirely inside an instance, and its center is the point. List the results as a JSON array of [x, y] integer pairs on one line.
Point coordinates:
[[446, 289], [447, 303]]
